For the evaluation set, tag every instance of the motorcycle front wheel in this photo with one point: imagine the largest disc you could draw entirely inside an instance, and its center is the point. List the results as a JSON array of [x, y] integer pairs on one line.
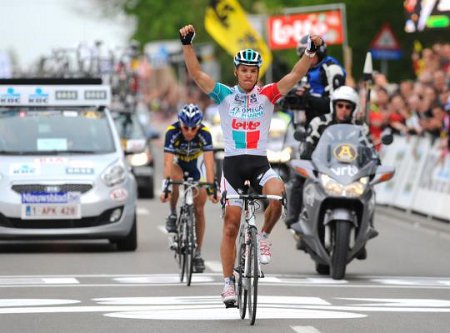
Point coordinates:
[[339, 249]]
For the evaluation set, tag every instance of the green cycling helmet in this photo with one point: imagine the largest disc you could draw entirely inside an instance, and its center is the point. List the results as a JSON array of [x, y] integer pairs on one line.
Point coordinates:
[[248, 57]]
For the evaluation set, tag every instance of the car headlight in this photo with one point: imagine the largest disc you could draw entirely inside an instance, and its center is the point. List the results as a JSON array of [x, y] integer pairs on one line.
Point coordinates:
[[114, 174], [279, 156], [353, 190], [139, 159]]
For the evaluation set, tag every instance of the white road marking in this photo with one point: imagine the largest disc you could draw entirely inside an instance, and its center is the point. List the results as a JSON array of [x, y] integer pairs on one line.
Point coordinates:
[[210, 307], [305, 329], [215, 278], [167, 279], [162, 228], [143, 211], [37, 280], [60, 280], [219, 313], [35, 302], [215, 266]]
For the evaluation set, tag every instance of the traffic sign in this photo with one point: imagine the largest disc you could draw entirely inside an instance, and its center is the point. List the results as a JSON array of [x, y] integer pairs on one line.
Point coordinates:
[[385, 45], [385, 39]]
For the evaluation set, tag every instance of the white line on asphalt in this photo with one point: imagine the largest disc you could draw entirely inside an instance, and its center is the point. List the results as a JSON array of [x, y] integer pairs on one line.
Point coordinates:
[[162, 229], [213, 278], [31, 280], [215, 266], [305, 329], [143, 211]]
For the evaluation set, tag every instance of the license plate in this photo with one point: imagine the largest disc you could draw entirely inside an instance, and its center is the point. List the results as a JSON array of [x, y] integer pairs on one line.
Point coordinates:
[[37, 212], [45, 205]]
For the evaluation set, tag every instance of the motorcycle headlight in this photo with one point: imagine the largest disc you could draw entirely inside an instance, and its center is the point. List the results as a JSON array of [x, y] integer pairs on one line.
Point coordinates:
[[279, 156], [353, 190], [139, 159], [114, 174]]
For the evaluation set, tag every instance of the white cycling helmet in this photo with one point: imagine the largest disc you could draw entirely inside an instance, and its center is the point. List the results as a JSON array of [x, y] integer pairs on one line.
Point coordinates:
[[347, 94], [248, 57]]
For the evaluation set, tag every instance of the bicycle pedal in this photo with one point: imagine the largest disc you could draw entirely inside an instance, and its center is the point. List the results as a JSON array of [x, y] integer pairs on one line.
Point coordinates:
[[230, 304]]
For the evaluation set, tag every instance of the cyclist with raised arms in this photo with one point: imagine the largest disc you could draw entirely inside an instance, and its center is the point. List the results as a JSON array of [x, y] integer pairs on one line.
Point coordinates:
[[245, 113], [188, 148]]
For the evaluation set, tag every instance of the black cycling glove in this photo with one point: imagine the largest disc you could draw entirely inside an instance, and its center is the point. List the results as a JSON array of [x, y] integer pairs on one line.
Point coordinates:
[[187, 40]]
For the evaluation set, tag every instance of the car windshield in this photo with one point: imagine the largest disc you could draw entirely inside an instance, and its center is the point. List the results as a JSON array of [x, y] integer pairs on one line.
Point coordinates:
[[128, 126], [26, 131]]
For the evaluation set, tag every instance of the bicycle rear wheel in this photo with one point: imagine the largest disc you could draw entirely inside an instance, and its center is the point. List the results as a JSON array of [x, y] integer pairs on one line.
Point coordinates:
[[253, 276], [241, 288], [190, 248]]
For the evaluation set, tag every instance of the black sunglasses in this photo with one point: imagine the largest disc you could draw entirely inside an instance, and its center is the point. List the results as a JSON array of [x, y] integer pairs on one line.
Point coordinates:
[[344, 105], [189, 129]]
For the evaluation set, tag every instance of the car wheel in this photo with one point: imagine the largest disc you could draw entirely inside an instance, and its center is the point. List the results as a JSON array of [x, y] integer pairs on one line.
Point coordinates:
[[129, 242]]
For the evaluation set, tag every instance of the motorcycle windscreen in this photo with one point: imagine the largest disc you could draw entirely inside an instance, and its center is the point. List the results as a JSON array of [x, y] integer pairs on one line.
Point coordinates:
[[343, 152]]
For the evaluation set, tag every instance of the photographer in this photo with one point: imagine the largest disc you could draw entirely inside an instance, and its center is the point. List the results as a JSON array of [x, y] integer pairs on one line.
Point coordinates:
[[309, 99]]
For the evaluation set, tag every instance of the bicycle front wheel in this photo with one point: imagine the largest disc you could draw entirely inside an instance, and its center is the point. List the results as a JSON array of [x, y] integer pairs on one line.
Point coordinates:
[[241, 288], [253, 276], [182, 248], [190, 248]]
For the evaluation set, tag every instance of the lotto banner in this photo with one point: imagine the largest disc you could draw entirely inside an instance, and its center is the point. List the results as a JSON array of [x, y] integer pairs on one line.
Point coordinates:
[[226, 22], [284, 31]]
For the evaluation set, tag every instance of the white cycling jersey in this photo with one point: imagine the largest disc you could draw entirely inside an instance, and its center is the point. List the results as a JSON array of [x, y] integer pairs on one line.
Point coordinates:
[[245, 117]]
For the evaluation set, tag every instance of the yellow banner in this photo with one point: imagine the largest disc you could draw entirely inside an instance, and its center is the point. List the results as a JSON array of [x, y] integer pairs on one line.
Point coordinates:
[[226, 22]]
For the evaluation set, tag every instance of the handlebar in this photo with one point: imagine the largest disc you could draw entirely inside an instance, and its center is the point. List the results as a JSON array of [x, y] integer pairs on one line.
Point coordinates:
[[191, 183], [253, 196]]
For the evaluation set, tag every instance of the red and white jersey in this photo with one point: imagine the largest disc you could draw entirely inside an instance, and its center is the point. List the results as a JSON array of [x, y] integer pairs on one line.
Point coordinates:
[[245, 117]]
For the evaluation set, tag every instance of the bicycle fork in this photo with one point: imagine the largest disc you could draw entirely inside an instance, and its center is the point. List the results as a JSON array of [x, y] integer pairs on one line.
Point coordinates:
[[251, 225]]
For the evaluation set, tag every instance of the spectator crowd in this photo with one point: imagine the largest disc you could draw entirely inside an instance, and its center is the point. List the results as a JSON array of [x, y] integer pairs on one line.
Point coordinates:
[[410, 107], [415, 107]]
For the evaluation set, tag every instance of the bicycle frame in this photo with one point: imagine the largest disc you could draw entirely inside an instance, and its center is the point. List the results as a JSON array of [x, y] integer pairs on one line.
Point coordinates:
[[186, 235], [249, 222], [249, 266]]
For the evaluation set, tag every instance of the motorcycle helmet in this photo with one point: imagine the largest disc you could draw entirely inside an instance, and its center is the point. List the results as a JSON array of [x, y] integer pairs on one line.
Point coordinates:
[[347, 94], [247, 57], [190, 115], [303, 43]]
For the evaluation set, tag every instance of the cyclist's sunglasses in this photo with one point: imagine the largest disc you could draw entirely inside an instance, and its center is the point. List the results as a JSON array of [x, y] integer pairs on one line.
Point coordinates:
[[189, 129], [344, 105]]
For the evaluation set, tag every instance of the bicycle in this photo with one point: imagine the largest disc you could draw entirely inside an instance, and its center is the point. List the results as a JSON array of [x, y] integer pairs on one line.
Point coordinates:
[[184, 243], [248, 269]]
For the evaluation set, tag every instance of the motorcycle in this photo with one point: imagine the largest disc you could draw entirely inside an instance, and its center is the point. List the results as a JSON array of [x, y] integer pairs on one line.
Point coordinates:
[[336, 220]]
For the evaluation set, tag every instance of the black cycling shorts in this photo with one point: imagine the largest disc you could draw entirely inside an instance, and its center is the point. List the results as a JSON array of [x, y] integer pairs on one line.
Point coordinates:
[[238, 169]]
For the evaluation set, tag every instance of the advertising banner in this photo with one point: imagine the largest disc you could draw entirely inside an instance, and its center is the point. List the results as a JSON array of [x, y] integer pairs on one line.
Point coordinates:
[[284, 31], [394, 155], [433, 192], [419, 149]]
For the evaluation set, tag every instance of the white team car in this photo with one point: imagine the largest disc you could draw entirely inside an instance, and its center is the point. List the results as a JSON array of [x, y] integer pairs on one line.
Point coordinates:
[[63, 173]]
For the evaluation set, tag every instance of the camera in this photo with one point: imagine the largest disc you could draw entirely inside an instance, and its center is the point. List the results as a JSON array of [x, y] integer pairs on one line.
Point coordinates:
[[292, 101]]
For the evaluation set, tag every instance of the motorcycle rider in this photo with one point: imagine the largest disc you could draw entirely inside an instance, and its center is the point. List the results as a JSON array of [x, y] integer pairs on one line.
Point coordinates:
[[344, 106], [324, 76]]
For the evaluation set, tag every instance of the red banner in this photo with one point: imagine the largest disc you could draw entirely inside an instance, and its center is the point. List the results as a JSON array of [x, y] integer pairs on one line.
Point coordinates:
[[285, 30]]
